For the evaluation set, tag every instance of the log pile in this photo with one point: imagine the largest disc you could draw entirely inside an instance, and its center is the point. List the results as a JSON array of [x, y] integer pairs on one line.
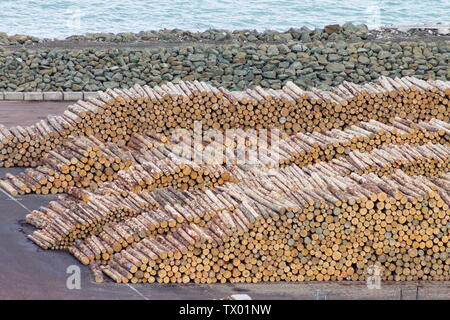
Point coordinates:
[[310, 148], [117, 114], [175, 210], [357, 176], [137, 231], [154, 162], [25, 146], [427, 160], [331, 233], [87, 163], [249, 243], [124, 219], [83, 162], [67, 220]]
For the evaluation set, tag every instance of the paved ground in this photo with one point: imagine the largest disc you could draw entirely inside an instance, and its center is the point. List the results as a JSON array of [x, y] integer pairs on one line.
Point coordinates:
[[81, 44], [26, 113], [27, 272]]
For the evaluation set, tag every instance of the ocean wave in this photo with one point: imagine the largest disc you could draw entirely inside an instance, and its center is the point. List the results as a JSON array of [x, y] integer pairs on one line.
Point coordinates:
[[62, 18]]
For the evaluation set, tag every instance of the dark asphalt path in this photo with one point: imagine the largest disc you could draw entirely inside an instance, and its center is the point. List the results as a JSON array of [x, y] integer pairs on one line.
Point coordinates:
[[27, 113]]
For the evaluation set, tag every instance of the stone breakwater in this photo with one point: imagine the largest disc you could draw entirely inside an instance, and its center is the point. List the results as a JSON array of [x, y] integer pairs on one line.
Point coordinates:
[[334, 32], [330, 32], [234, 65]]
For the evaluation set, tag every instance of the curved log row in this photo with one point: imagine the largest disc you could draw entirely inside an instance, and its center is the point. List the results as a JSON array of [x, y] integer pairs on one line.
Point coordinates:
[[157, 163], [426, 160], [154, 213], [83, 162], [116, 114], [398, 223], [363, 137], [68, 219], [132, 233]]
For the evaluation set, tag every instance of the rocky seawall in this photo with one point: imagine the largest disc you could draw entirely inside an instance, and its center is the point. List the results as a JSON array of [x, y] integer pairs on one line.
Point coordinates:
[[330, 32], [322, 57]]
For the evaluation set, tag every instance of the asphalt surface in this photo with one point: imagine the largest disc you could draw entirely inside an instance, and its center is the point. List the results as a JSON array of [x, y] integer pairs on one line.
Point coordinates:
[[26, 113], [28, 272]]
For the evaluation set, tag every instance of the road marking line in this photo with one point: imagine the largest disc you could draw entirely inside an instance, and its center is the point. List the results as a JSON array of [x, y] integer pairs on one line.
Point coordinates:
[[240, 297], [15, 200], [135, 290]]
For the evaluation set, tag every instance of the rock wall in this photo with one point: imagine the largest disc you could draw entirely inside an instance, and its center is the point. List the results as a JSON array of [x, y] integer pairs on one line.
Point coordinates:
[[330, 32], [234, 65]]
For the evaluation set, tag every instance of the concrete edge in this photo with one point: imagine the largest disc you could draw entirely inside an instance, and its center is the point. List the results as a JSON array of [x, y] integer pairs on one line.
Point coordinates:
[[47, 96]]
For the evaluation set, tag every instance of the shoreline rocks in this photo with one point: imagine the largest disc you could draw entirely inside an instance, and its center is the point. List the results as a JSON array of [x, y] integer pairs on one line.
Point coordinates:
[[236, 65], [332, 32]]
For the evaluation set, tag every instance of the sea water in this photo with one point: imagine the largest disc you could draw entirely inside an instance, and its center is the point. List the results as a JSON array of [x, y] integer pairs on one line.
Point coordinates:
[[62, 18]]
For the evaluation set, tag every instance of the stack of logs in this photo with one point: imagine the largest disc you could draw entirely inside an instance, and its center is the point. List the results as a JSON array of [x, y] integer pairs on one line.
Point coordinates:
[[132, 247], [427, 160], [305, 149], [117, 114], [86, 162], [156, 162], [333, 232], [83, 162], [66, 220], [342, 180], [124, 218]]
